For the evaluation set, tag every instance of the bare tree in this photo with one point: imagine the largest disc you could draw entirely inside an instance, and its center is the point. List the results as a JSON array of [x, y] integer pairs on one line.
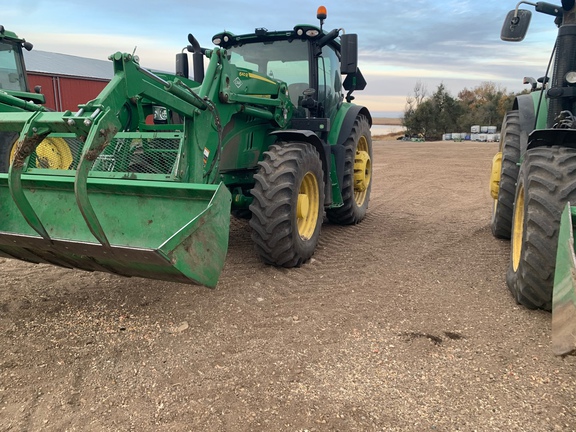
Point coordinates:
[[415, 100]]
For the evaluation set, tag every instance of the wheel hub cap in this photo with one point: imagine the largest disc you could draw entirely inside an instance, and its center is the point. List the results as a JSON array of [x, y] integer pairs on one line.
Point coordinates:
[[303, 206], [307, 206], [361, 171], [518, 229]]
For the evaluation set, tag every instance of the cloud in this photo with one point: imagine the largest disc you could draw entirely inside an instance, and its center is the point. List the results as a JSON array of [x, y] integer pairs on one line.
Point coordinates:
[[152, 52], [455, 42]]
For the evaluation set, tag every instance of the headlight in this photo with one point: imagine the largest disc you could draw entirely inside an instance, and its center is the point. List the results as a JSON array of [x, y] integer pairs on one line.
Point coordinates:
[[160, 113], [571, 77]]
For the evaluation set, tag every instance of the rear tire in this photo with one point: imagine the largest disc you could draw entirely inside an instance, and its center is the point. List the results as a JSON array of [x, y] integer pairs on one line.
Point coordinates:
[[288, 204], [547, 180], [357, 182], [503, 209]]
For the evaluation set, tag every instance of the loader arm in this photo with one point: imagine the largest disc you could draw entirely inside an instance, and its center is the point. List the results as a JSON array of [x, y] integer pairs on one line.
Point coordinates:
[[106, 114], [11, 103]]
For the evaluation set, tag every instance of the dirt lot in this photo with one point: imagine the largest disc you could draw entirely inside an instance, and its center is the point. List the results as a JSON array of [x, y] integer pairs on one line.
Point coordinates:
[[402, 323]]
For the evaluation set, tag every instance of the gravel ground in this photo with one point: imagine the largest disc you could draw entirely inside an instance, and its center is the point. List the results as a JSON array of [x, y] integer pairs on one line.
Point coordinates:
[[401, 323]]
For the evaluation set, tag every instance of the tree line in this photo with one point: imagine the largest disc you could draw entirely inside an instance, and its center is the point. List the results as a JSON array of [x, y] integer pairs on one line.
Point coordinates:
[[431, 116]]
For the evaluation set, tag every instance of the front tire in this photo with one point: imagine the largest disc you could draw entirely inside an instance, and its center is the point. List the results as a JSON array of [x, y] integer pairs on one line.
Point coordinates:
[[357, 182], [547, 180], [503, 209], [7, 142], [287, 209], [51, 153]]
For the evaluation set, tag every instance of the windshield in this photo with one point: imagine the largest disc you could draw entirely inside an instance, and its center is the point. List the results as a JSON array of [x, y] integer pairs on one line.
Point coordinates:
[[282, 60], [11, 73]]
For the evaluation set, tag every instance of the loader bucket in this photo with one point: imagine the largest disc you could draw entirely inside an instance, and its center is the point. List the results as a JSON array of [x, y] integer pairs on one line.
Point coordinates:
[[161, 230], [564, 294]]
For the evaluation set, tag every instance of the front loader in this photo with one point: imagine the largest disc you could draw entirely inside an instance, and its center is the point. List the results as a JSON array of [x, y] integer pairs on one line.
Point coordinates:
[[158, 162], [537, 174]]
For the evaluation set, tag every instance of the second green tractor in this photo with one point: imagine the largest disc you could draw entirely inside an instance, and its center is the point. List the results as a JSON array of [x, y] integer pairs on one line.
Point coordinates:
[[533, 180]]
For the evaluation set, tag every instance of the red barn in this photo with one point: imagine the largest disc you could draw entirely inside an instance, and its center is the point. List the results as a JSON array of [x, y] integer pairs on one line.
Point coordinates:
[[67, 80]]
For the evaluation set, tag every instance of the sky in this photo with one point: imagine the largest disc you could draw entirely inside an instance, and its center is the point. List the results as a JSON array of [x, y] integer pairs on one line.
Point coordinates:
[[451, 42]]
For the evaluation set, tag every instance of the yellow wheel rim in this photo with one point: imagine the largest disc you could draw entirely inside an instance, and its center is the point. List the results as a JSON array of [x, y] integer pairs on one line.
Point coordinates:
[[51, 153], [495, 175], [307, 211], [362, 171], [518, 228]]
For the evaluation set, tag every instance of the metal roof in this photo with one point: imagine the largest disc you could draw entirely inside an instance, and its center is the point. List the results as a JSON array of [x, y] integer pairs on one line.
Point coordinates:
[[67, 65]]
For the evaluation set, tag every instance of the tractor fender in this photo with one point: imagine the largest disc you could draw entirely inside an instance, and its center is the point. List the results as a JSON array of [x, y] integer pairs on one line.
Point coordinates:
[[525, 104], [552, 137], [341, 130], [323, 148], [344, 121]]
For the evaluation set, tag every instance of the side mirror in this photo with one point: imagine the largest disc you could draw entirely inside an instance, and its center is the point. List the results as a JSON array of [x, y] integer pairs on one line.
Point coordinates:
[[348, 53], [516, 26], [533, 83]]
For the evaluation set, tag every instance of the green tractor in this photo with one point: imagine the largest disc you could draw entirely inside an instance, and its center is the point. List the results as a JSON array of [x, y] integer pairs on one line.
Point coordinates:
[[516, 127], [534, 180], [15, 96], [158, 162]]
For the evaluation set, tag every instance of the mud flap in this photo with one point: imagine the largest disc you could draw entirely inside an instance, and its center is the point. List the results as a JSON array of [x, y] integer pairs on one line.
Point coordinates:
[[564, 294]]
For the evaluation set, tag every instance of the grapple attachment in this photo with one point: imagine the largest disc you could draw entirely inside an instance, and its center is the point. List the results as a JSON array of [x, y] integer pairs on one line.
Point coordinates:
[[124, 211], [564, 295], [155, 231]]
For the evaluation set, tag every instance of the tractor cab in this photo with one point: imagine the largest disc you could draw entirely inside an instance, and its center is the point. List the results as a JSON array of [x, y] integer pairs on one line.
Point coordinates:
[[13, 78], [306, 58]]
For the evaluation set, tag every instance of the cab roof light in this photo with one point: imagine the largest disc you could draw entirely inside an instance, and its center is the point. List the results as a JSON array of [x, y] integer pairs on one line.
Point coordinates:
[[306, 30], [222, 38], [321, 14]]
